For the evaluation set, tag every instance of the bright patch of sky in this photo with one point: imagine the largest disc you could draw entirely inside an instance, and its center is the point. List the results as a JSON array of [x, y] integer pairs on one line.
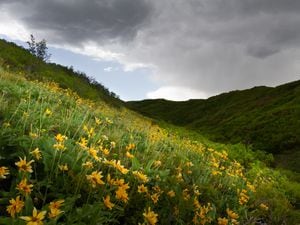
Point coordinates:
[[127, 84], [178, 93]]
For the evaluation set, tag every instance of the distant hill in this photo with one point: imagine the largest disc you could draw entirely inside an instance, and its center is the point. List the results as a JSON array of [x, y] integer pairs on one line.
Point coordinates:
[[265, 118], [18, 59]]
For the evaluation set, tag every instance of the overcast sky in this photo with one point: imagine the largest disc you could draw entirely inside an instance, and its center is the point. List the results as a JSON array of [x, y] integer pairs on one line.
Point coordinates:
[[175, 49]]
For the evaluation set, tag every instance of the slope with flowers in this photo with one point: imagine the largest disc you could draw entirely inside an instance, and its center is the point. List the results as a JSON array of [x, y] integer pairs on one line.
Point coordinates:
[[67, 160]]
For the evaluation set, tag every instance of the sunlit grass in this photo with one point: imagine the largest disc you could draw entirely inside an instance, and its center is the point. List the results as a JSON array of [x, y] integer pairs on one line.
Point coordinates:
[[67, 160]]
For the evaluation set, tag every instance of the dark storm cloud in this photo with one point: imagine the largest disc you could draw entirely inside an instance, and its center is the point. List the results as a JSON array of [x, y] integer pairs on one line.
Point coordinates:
[[209, 45], [77, 21]]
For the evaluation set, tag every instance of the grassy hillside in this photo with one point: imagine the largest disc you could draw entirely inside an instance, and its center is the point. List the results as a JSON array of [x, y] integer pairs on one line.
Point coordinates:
[[19, 60], [262, 117], [68, 160]]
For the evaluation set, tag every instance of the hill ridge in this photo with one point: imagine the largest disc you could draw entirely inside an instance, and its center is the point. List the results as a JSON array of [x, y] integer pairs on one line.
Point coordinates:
[[267, 118]]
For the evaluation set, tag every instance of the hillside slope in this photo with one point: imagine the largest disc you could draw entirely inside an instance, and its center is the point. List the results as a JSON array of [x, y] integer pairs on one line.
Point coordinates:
[[265, 118], [82, 162], [19, 60]]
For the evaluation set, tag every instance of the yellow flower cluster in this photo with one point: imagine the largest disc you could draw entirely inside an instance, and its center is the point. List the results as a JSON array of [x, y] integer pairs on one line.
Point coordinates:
[[140, 176], [89, 131], [232, 216], [150, 216], [117, 165], [201, 212], [243, 197], [121, 192], [95, 178], [60, 140], [54, 208]]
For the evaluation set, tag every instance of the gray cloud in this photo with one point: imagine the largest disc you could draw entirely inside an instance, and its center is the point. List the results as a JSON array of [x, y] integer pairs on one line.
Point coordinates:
[[207, 45], [77, 21]]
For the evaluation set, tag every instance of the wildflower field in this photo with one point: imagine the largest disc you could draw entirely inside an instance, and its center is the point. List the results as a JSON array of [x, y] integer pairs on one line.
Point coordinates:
[[67, 160]]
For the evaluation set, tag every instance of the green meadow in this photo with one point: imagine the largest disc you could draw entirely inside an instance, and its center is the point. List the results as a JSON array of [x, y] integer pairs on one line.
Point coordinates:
[[67, 157]]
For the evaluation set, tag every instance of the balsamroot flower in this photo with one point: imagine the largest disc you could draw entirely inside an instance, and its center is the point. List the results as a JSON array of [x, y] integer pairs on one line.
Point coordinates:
[[24, 166], [16, 205], [36, 218]]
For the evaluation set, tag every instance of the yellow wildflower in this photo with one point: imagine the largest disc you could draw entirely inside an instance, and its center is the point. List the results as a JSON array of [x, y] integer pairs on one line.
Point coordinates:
[[157, 163], [251, 186], [120, 182], [105, 151], [196, 203], [33, 135], [243, 197], [189, 164], [112, 144], [104, 137], [222, 221], [24, 166], [171, 194], [36, 218], [48, 112], [128, 155], [121, 192], [264, 207], [59, 146], [130, 147], [3, 172], [179, 177], [108, 203], [82, 143], [110, 180], [232, 214], [60, 138], [215, 172], [56, 205], [63, 167], [36, 154], [155, 197], [16, 205], [185, 194], [54, 213], [108, 121], [157, 189], [55, 208], [150, 217], [90, 132], [142, 177], [24, 187], [93, 152], [6, 124], [95, 178], [98, 121], [142, 189], [121, 168], [88, 164]]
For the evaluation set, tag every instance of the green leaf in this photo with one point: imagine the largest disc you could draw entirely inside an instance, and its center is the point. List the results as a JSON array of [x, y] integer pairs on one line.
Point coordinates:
[[135, 164]]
